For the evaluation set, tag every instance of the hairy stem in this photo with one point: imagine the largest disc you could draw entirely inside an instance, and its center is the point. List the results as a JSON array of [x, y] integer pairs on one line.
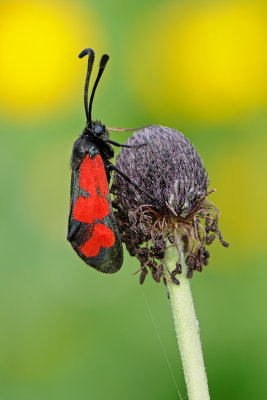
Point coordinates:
[[186, 327]]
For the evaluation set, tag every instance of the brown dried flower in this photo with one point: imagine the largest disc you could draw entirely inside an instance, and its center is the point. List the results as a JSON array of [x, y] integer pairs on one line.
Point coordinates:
[[168, 168]]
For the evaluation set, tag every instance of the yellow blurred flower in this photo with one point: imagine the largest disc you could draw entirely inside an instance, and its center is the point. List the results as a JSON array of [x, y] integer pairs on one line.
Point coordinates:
[[206, 60], [39, 46]]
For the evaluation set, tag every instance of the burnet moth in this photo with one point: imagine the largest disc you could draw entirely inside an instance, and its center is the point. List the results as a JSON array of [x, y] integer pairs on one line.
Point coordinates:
[[92, 229]]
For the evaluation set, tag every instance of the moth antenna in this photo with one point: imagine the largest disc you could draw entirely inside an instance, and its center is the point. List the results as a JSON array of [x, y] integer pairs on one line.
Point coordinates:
[[102, 65], [91, 57]]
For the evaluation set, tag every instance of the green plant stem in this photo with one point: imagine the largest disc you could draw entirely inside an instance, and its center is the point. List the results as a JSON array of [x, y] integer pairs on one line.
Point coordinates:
[[187, 328]]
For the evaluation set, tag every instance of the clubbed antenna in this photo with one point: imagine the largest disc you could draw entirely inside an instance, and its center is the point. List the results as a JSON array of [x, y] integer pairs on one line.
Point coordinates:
[[102, 65], [91, 57]]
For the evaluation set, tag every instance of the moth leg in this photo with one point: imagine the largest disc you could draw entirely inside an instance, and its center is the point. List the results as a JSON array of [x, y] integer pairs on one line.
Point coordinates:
[[130, 181], [123, 145]]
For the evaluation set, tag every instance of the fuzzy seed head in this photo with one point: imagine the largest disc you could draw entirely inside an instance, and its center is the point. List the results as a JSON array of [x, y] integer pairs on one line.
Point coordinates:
[[167, 167], [167, 196]]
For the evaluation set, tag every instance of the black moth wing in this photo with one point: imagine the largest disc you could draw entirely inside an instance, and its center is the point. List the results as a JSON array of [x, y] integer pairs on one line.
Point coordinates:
[[95, 236]]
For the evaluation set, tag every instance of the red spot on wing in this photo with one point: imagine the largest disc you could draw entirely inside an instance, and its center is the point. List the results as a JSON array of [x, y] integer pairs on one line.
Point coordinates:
[[92, 179], [89, 209], [102, 237], [92, 174]]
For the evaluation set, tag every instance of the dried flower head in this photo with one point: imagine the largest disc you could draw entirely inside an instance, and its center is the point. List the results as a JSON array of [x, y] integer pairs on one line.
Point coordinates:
[[168, 168]]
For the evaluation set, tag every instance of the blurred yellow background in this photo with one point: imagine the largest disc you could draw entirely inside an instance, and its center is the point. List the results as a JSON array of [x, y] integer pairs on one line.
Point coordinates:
[[68, 331]]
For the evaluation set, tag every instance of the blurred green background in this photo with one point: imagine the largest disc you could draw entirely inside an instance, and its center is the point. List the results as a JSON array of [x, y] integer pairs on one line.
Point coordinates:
[[68, 331]]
